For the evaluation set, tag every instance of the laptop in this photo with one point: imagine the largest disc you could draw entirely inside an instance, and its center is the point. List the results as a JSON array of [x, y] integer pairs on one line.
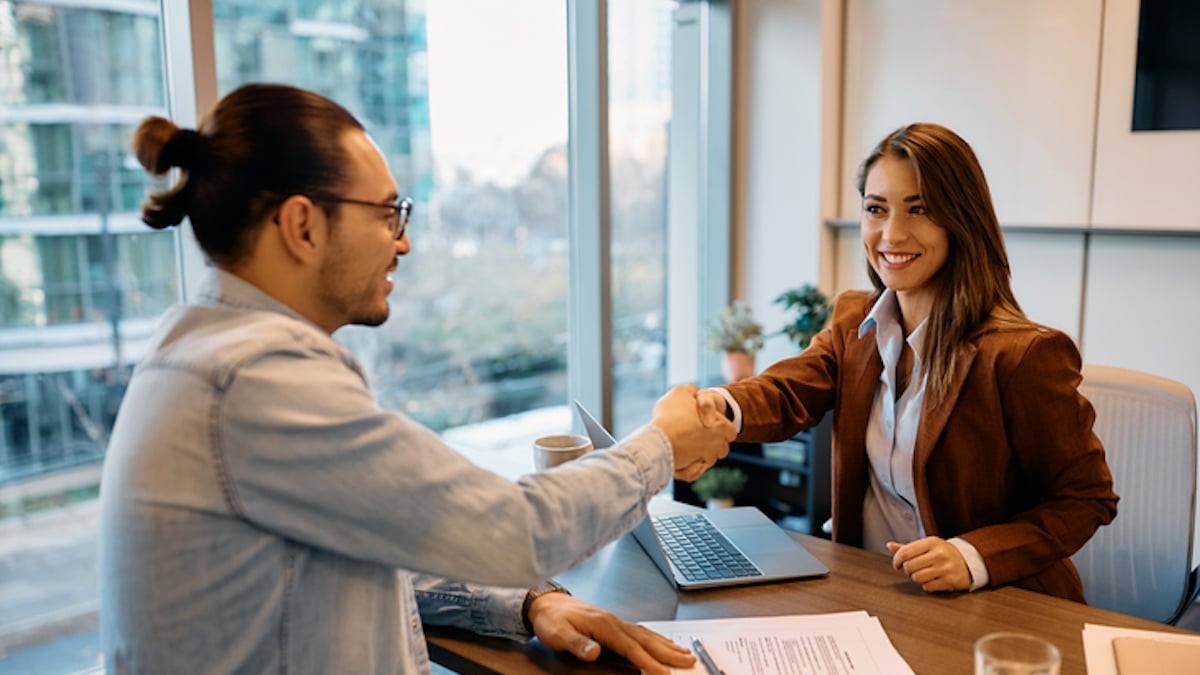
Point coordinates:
[[695, 548]]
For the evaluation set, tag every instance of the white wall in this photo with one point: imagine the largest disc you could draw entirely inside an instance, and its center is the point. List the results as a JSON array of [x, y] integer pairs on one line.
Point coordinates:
[[1024, 83], [1139, 305], [1141, 178], [1043, 92], [1016, 79], [1047, 276], [781, 48]]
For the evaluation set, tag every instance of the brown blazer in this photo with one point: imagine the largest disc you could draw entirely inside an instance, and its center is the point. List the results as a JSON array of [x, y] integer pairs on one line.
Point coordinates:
[[1008, 462]]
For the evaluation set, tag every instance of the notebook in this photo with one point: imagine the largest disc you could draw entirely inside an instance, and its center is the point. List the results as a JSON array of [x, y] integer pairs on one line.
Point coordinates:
[[1150, 656], [705, 549]]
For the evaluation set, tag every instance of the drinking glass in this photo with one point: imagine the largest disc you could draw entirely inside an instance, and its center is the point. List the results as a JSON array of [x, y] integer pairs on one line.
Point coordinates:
[[1015, 654]]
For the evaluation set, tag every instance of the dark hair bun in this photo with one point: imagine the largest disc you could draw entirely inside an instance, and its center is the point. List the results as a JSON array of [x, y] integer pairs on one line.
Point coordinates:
[[185, 150], [166, 209], [160, 145]]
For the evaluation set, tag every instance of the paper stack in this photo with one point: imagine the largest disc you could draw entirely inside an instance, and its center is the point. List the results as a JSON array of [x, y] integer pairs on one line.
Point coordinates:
[[806, 644]]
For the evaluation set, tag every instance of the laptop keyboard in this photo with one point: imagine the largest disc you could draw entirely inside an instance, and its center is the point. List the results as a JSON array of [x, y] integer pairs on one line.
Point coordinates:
[[700, 551]]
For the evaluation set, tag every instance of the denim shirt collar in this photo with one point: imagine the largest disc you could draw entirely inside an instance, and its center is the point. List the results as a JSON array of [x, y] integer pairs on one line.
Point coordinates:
[[223, 289], [220, 288]]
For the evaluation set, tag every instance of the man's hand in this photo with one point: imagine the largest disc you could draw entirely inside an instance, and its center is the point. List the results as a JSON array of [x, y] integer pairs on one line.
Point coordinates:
[[711, 407], [568, 624], [932, 562], [697, 443]]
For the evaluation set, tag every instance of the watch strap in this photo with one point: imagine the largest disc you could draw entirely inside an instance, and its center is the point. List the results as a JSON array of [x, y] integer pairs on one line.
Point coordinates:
[[549, 586]]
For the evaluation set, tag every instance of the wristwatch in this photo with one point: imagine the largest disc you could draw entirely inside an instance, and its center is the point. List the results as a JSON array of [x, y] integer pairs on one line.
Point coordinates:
[[536, 592]]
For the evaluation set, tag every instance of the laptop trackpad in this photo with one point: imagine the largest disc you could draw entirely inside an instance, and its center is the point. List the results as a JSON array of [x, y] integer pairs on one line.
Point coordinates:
[[773, 550]]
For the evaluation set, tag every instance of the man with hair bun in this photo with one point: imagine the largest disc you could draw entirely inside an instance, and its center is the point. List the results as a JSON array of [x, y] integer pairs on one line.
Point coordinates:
[[259, 512]]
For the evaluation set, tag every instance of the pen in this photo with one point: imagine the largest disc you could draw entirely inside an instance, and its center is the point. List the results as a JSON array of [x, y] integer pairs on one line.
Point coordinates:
[[709, 664]]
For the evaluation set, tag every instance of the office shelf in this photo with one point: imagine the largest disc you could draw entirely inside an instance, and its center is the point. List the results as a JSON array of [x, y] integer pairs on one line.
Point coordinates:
[[788, 480]]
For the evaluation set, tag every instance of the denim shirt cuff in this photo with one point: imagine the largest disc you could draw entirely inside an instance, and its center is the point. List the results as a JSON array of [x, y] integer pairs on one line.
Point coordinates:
[[648, 447], [501, 609], [487, 610]]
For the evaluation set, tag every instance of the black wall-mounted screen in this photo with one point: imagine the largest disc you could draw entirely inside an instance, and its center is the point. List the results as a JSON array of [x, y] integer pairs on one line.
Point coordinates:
[[1166, 94]]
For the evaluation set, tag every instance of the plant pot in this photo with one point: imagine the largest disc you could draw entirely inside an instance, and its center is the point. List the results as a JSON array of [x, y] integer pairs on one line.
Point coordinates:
[[719, 503], [737, 365]]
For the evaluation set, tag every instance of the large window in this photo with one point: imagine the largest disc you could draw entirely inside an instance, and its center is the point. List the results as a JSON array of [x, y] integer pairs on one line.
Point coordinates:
[[469, 101], [81, 284], [639, 108], [81, 279], [478, 322]]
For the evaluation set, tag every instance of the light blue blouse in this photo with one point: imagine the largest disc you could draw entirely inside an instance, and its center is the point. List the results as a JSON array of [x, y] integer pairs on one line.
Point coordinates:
[[890, 510]]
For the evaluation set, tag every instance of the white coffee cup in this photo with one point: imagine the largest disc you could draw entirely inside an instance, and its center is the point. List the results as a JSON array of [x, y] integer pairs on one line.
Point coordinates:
[[550, 451], [1015, 654]]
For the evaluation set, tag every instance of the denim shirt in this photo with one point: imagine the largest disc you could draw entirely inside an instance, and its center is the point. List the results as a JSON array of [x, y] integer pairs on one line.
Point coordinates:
[[261, 514]]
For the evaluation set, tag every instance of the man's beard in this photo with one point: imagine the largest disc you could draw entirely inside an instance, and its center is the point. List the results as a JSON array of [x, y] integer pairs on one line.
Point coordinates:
[[356, 305], [370, 319]]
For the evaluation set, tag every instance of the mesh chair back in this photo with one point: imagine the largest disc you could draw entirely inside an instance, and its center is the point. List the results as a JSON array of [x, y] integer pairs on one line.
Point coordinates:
[[1141, 563]]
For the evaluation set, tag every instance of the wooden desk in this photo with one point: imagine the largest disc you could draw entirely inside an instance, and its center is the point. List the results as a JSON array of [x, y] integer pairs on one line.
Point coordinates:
[[933, 632]]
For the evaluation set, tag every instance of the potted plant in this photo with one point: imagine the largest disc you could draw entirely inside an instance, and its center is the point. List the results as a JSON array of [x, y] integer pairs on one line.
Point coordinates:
[[737, 334], [812, 310], [719, 485]]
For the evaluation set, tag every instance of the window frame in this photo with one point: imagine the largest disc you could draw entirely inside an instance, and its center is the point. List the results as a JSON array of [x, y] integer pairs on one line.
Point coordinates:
[[698, 289]]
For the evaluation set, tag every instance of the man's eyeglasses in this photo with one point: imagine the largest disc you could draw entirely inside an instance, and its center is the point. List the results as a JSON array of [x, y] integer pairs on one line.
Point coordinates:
[[397, 220]]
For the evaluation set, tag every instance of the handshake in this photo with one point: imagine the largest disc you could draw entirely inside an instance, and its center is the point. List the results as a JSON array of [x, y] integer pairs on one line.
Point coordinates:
[[694, 420]]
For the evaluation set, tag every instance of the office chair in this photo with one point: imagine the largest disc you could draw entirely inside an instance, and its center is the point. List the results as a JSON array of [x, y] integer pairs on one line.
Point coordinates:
[[1141, 563]]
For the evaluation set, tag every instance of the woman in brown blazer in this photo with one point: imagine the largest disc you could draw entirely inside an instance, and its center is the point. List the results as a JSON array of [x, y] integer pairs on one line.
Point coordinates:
[[961, 444]]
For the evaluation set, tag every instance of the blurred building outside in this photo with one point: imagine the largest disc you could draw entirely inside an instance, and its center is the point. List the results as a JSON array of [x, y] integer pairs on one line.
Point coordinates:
[[477, 343]]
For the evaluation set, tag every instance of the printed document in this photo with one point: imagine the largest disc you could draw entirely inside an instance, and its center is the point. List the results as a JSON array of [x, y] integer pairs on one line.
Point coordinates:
[[805, 644]]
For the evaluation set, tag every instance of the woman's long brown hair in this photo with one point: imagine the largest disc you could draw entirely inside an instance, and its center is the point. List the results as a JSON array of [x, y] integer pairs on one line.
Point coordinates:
[[974, 286]]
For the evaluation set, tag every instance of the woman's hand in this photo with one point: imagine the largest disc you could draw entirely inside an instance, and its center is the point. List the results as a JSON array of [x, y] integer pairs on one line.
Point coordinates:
[[711, 406], [933, 563], [565, 623]]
